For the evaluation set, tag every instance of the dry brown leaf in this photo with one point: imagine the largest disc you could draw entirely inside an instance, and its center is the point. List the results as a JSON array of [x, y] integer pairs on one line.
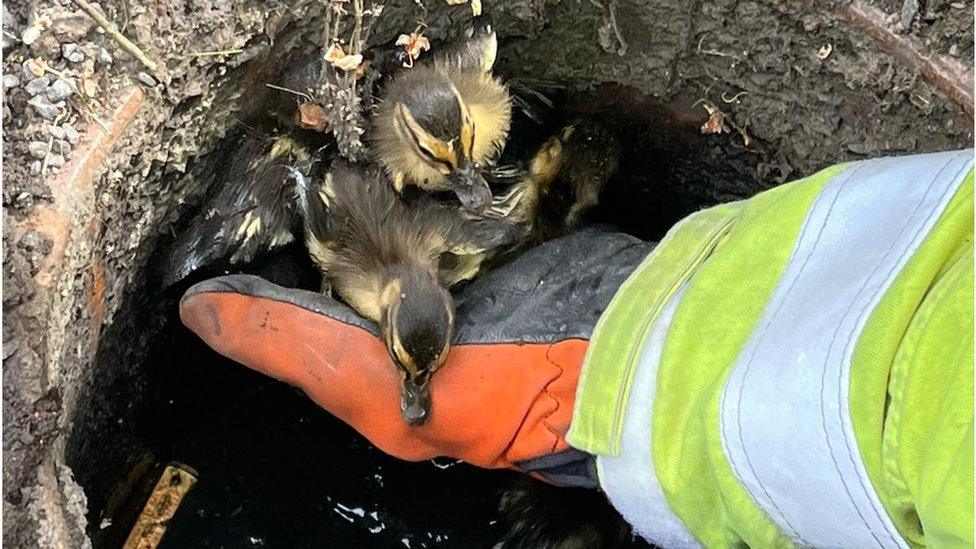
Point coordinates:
[[413, 43], [89, 87], [311, 117], [36, 66], [342, 60], [715, 122]]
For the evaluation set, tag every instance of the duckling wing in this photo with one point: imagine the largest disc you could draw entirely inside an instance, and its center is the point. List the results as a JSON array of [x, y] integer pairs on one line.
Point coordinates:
[[472, 242], [251, 211]]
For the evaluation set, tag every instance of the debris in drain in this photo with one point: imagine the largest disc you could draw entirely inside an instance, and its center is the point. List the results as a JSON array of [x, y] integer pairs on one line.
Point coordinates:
[[413, 44], [175, 482], [311, 116], [824, 51], [715, 122], [341, 60]]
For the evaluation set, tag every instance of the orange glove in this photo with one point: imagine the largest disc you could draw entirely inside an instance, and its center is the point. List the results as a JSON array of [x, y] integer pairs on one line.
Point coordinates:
[[505, 396]]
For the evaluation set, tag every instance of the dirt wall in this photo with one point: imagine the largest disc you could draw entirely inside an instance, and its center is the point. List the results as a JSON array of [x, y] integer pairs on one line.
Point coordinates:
[[800, 86]]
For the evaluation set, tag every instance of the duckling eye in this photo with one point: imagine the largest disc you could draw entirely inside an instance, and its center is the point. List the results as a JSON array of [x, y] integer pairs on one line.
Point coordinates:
[[421, 141], [444, 166]]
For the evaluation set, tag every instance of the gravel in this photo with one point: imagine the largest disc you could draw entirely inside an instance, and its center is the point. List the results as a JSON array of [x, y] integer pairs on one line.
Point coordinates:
[[10, 81], [39, 84], [71, 53], [38, 149], [45, 108], [61, 146], [70, 26], [146, 79], [104, 57], [59, 91], [71, 134]]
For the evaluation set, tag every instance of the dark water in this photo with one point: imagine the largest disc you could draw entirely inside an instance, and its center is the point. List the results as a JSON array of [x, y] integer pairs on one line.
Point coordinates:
[[276, 471]]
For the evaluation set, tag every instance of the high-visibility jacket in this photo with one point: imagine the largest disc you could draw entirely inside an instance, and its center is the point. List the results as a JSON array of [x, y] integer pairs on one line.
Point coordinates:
[[797, 368]]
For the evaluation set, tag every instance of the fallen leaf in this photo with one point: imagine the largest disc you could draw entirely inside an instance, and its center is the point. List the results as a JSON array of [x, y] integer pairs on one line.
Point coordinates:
[[825, 51], [455, 2], [413, 43], [342, 60], [311, 117], [715, 122], [89, 87], [36, 66]]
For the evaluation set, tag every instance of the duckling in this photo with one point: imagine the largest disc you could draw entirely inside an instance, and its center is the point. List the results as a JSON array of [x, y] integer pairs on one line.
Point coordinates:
[[441, 123], [251, 210], [382, 252], [559, 184]]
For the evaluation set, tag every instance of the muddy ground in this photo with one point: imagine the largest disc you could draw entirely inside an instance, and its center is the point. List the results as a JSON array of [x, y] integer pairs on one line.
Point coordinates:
[[800, 88]]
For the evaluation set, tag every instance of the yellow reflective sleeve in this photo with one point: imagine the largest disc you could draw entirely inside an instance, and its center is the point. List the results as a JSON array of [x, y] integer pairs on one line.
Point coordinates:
[[919, 451], [620, 334], [695, 476]]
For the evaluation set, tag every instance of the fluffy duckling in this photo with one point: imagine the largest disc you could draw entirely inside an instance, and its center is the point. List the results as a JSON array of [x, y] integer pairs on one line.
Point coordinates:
[[251, 211], [382, 253], [559, 184], [440, 124]]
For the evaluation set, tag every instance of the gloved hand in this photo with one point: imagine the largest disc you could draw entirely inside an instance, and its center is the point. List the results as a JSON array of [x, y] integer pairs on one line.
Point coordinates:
[[505, 396]]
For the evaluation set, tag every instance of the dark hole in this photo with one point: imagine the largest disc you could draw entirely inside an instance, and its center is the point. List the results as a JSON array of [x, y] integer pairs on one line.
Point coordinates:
[[273, 469]]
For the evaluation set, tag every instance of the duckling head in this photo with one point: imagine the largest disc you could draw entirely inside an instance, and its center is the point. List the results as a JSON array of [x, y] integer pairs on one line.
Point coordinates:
[[417, 327], [438, 130]]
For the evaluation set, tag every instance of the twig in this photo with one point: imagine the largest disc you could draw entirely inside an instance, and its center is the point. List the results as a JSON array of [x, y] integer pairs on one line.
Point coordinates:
[[616, 30], [50, 143], [734, 98], [208, 53], [711, 52], [47, 154], [298, 93], [114, 33], [355, 41]]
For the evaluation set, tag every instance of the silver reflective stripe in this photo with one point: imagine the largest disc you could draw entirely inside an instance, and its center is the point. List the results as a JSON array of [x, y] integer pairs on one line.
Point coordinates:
[[784, 417], [629, 479]]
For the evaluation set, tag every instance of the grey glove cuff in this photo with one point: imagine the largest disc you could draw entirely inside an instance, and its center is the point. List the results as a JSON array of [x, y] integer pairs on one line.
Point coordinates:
[[552, 292]]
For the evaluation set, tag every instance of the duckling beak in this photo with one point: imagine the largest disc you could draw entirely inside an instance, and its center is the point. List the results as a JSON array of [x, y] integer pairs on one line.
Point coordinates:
[[471, 188], [415, 402]]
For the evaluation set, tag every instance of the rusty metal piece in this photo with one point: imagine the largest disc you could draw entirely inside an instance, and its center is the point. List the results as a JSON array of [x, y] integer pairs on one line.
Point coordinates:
[[175, 482], [949, 75]]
